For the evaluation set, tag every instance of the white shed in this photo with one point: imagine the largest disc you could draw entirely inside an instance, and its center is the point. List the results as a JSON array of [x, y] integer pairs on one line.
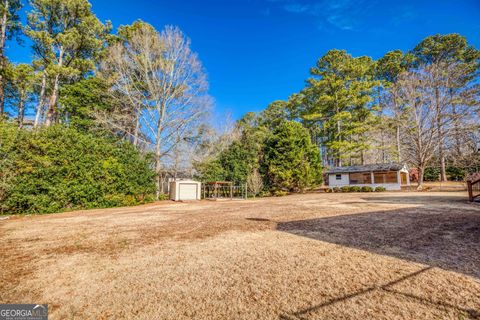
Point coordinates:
[[392, 176], [181, 190]]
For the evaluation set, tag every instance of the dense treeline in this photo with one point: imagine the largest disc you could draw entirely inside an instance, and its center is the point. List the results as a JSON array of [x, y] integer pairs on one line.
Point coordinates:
[[99, 115], [419, 107], [268, 156]]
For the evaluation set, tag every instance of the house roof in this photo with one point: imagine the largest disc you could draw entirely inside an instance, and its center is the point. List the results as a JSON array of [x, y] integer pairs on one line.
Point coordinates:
[[368, 168]]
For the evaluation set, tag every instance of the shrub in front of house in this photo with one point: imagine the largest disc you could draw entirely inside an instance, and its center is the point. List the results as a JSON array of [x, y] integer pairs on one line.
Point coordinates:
[[367, 189], [355, 189], [380, 189], [280, 193], [328, 190], [345, 189], [336, 189]]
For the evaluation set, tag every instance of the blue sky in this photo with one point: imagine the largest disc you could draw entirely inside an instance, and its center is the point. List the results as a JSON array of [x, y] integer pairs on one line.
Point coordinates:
[[258, 51]]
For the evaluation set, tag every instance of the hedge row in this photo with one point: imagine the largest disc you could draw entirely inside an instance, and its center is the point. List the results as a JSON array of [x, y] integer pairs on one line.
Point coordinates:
[[355, 189]]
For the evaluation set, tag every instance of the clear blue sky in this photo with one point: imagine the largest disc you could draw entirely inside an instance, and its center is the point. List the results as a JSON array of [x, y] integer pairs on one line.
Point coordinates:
[[258, 51]]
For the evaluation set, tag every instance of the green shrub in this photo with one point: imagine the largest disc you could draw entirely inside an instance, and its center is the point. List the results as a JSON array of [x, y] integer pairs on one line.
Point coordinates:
[[345, 189], [164, 196], [328, 190], [264, 194], [456, 173], [355, 189], [367, 189], [59, 168], [431, 174], [336, 189], [280, 193], [380, 189]]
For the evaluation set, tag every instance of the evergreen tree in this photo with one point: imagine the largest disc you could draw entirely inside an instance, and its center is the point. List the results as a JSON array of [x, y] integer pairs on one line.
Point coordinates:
[[66, 37], [81, 100], [20, 87], [338, 99], [290, 160], [387, 70], [10, 26]]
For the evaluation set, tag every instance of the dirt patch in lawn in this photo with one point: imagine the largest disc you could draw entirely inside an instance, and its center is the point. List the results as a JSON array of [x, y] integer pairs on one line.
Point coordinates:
[[315, 256]]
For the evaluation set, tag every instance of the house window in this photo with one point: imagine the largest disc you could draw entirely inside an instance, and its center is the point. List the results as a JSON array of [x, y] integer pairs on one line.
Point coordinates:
[[338, 177], [360, 178], [385, 177]]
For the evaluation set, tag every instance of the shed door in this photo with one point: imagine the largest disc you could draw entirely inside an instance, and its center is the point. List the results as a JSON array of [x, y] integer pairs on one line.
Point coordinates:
[[403, 175], [187, 191]]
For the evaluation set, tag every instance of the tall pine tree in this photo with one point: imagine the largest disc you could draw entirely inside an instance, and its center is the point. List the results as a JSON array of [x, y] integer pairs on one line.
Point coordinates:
[[336, 104], [9, 27], [66, 38]]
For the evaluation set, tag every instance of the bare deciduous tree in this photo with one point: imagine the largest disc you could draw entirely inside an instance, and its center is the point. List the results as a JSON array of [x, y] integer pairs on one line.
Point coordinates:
[[418, 119], [255, 182], [163, 86]]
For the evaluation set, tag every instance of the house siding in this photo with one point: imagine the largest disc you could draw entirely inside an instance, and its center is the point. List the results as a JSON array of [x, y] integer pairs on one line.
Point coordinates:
[[332, 180], [345, 181]]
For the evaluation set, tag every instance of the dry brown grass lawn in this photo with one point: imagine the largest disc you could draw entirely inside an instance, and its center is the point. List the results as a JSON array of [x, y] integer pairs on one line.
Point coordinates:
[[314, 256]]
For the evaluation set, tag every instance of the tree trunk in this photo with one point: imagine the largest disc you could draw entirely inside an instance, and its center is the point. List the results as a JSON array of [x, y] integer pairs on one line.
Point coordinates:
[[21, 111], [421, 172], [158, 164], [136, 130], [399, 157], [3, 36], [52, 104], [2, 93], [339, 156], [41, 101], [443, 171], [158, 177], [457, 135], [441, 153]]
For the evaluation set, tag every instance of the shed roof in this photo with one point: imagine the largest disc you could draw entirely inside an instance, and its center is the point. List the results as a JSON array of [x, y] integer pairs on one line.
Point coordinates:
[[368, 168]]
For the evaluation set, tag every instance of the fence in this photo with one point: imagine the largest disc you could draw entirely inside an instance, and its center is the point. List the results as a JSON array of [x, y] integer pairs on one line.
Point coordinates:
[[223, 190], [473, 189]]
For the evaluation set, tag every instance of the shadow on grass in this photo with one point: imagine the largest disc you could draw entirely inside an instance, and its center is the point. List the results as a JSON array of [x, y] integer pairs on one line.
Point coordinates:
[[474, 314], [425, 198], [437, 236]]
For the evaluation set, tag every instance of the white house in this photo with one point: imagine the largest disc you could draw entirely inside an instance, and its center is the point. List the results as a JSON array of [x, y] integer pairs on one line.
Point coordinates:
[[391, 176]]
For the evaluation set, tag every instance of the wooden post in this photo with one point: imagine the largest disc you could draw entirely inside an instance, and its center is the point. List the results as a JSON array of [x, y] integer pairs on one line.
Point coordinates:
[[470, 191], [231, 191]]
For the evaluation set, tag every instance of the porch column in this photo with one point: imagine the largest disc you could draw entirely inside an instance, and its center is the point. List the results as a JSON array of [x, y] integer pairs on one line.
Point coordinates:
[[371, 177]]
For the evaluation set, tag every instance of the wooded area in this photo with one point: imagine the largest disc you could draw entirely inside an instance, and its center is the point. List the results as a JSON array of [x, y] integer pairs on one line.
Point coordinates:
[[145, 91], [419, 107]]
